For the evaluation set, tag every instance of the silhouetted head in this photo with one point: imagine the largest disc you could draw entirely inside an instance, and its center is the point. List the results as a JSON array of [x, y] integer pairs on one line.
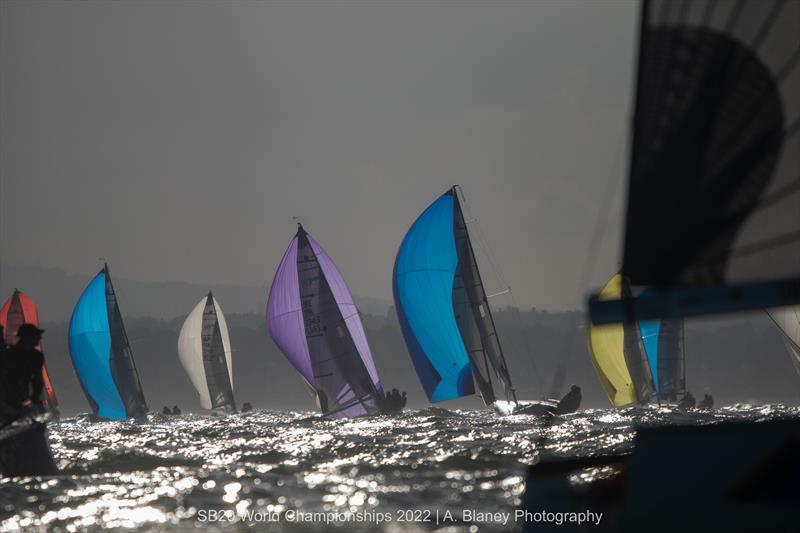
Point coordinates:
[[404, 394], [575, 388], [29, 335]]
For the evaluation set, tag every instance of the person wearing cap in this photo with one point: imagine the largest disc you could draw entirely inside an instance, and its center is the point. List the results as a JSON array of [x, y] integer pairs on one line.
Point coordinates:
[[21, 369]]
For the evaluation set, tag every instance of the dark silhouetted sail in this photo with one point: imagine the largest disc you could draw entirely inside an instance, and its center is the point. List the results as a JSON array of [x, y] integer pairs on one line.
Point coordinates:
[[713, 216]]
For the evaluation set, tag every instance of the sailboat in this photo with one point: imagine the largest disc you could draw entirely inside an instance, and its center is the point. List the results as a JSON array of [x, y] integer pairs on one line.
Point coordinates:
[[24, 443], [204, 350], [101, 353], [444, 314], [313, 320], [712, 226], [639, 362], [787, 320], [21, 309]]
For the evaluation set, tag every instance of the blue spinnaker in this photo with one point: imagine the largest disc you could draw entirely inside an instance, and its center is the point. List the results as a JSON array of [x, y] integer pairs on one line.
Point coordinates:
[[424, 272], [90, 349]]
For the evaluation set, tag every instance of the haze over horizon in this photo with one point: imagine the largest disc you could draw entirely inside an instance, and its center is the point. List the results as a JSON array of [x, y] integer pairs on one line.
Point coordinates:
[[178, 140]]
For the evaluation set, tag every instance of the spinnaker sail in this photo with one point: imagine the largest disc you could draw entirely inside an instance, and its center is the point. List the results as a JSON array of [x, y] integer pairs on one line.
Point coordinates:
[[101, 353], [21, 309], [443, 309], [204, 350], [314, 321], [713, 212], [637, 362]]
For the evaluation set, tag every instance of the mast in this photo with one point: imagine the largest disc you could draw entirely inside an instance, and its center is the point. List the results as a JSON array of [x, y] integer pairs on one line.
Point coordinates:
[[493, 350]]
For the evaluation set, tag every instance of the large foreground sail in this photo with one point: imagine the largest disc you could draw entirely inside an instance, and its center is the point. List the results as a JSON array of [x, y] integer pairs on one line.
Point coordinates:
[[713, 213], [101, 354], [204, 350], [312, 318], [20, 309], [443, 310]]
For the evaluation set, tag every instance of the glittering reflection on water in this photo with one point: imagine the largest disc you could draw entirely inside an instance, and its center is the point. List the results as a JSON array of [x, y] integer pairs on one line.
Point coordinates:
[[211, 471]]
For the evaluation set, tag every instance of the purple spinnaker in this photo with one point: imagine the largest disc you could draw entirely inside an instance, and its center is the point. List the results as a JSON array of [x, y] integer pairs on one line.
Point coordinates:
[[332, 362]]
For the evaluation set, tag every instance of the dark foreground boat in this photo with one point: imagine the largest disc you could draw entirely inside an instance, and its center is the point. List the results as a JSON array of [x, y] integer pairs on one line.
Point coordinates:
[[711, 227], [25, 449], [730, 477]]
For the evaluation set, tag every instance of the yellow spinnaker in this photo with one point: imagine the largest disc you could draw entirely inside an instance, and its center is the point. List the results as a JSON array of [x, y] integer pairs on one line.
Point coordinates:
[[608, 356]]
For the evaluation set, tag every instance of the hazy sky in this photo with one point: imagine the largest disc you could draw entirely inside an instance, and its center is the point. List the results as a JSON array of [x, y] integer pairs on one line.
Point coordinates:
[[178, 139]]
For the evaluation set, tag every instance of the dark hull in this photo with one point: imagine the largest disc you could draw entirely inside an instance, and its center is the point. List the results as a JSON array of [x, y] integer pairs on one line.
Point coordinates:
[[25, 451]]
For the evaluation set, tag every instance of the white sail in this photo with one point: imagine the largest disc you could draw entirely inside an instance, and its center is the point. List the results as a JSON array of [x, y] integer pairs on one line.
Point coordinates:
[[190, 349], [788, 321]]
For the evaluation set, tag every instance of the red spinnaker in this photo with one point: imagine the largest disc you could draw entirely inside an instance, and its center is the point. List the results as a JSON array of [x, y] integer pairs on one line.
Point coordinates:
[[20, 309]]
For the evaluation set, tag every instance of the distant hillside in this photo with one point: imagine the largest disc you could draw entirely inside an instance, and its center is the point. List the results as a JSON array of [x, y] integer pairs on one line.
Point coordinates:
[[736, 360], [57, 291]]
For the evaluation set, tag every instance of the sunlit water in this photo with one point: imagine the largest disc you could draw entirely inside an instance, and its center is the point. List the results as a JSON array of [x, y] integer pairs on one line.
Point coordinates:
[[176, 472]]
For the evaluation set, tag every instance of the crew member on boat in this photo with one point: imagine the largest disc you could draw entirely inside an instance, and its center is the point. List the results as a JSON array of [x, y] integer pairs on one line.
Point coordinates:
[[570, 402], [21, 371]]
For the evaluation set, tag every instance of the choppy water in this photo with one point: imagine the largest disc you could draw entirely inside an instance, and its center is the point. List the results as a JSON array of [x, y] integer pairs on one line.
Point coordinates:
[[175, 472]]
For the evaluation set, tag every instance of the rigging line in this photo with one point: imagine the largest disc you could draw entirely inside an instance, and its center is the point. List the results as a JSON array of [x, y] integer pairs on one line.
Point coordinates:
[[775, 242], [755, 147], [734, 16], [595, 241], [769, 20], [531, 359], [774, 197]]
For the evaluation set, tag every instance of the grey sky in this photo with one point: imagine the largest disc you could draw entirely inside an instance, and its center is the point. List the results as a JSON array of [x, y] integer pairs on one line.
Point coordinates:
[[177, 139]]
